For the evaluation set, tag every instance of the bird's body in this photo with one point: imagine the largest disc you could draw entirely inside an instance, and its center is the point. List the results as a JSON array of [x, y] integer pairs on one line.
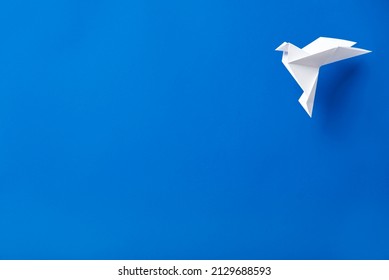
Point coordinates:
[[304, 64]]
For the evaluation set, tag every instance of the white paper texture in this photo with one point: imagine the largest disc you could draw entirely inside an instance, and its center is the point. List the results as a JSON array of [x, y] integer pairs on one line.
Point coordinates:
[[304, 64]]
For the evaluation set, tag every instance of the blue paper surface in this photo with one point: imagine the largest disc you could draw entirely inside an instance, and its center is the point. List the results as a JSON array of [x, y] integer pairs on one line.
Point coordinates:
[[171, 130]]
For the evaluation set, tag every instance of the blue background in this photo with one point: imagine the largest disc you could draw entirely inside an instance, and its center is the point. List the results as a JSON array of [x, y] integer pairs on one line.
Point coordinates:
[[171, 130]]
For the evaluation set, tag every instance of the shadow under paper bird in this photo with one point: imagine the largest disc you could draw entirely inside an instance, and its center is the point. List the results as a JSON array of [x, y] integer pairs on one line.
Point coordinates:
[[304, 64]]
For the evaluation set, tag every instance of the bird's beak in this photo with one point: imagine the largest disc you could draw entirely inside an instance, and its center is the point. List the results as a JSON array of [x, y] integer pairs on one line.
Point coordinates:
[[282, 47]]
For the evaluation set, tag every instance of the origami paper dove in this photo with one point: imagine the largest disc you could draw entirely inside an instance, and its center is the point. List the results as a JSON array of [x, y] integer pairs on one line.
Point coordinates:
[[304, 64]]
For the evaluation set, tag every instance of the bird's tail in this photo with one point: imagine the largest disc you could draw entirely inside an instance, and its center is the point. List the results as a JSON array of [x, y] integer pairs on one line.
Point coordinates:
[[307, 99]]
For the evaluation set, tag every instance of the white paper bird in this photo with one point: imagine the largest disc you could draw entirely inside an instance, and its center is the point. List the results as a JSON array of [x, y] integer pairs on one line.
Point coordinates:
[[304, 64]]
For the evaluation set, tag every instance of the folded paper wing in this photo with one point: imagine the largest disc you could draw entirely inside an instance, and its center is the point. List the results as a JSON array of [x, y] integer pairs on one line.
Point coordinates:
[[325, 43], [329, 56]]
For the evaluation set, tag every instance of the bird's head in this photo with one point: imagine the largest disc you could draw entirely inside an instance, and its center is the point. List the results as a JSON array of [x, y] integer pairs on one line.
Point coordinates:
[[283, 47]]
